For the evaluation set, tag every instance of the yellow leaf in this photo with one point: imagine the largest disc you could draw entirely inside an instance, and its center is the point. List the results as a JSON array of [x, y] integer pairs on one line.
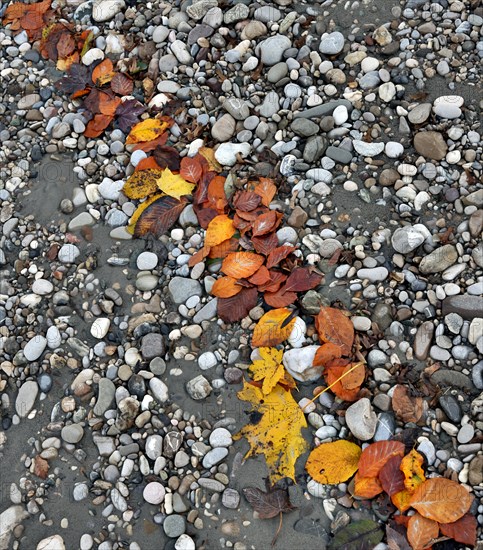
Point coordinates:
[[209, 155], [332, 463], [147, 130], [268, 368], [269, 330], [141, 184], [277, 433], [411, 467], [174, 185], [220, 229], [139, 210]]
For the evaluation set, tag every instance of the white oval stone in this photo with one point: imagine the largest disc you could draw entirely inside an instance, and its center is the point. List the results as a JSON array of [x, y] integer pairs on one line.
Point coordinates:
[[147, 261], [100, 327], [42, 287], [299, 363], [297, 336]]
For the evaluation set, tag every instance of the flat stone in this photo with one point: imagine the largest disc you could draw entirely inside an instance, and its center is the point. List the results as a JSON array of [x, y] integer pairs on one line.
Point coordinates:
[[339, 154], [465, 305], [304, 127], [35, 347], [271, 49], [430, 145], [406, 239], [423, 340], [451, 407], [152, 345], [220, 437], [420, 113], [100, 327], [54, 542], [159, 390], [103, 10], [181, 289], [198, 388], [154, 493], [72, 433], [214, 457], [174, 526], [226, 153], [332, 44], [324, 109], [368, 149], [224, 128], [26, 397], [439, 260], [146, 261], [68, 253], [105, 396]]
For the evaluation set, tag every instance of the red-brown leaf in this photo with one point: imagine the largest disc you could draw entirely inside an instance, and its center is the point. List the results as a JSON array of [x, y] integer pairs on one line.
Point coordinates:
[[391, 477], [376, 455], [265, 223], [326, 353], [406, 408], [280, 298], [160, 216], [302, 279], [279, 254], [422, 532], [264, 245], [121, 84], [246, 200], [237, 307], [333, 326], [190, 169], [97, 125], [167, 157], [41, 467], [277, 278], [463, 530], [260, 277], [266, 189]]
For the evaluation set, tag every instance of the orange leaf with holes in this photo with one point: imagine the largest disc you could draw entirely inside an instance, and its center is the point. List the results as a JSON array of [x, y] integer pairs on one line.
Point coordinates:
[[374, 456], [333, 326], [103, 73], [327, 353], [240, 265], [441, 499], [411, 467], [366, 487], [463, 530], [273, 329], [225, 287], [219, 230], [421, 532]]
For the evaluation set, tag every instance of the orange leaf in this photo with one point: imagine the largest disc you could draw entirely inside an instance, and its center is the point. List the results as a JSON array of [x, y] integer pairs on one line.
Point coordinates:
[[411, 467], [463, 530], [199, 256], [148, 163], [216, 194], [333, 326], [402, 500], [223, 249], [190, 169], [209, 155], [354, 379], [225, 287], [97, 125], [276, 280], [266, 189], [219, 230], [377, 454], [421, 532], [108, 104], [269, 331], [326, 353], [103, 73], [279, 298], [333, 378], [266, 223], [241, 264], [366, 487], [260, 277], [441, 499]]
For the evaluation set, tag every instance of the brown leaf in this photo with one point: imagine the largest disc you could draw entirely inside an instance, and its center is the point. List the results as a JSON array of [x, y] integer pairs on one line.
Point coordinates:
[[326, 353], [97, 125], [280, 298], [366, 487], [268, 505], [41, 467], [266, 223], [422, 532], [246, 200], [260, 277], [355, 376], [240, 265], [190, 169], [391, 477], [406, 408], [333, 326], [396, 540], [277, 278], [333, 373], [122, 84], [167, 157], [302, 279], [237, 307], [264, 245], [374, 456], [159, 216], [463, 530], [279, 254], [223, 249], [103, 72], [266, 189], [65, 45], [199, 256], [108, 104]]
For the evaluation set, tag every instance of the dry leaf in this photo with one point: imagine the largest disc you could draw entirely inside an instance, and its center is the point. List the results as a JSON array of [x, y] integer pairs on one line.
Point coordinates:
[[277, 431], [402, 500], [463, 530], [260, 277], [103, 73], [97, 125], [158, 216], [266, 189], [411, 467], [41, 467], [225, 287], [333, 326], [302, 279], [237, 307], [268, 505], [191, 169], [442, 500], [269, 368], [279, 254], [391, 477], [174, 185], [374, 456], [327, 353], [122, 84], [147, 130], [421, 532], [280, 298], [406, 408], [266, 223], [333, 376], [366, 487], [240, 265], [396, 540], [220, 229], [269, 330], [353, 380], [332, 463], [141, 184]]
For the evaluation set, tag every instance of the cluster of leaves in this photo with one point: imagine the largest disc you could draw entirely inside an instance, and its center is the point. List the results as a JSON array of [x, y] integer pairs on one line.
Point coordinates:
[[241, 229], [31, 18], [441, 504], [64, 45]]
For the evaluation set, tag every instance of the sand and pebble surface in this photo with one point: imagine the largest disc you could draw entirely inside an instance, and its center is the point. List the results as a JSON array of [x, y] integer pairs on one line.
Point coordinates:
[[118, 382]]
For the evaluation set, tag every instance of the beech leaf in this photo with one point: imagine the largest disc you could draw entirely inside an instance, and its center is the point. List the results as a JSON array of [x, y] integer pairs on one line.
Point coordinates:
[[302, 279], [158, 216], [374, 456], [462, 530], [333, 326], [237, 307], [240, 265], [333, 463], [220, 229], [174, 185], [422, 532]]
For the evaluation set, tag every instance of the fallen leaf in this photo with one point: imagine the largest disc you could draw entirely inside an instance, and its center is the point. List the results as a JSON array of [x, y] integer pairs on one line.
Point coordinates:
[[265, 223], [406, 408], [41, 467], [353, 380], [122, 84], [366, 487], [442, 500], [148, 146], [191, 169], [269, 368], [246, 201], [280, 298], [333, 463], [223, 249], [209, 155], [277, 278], [333, 376], [141, 184], [375, 455], [402, 500], [269, 330], [97, 125], [277, 431], [260, 277], [147, 130], [108, 104], [174, 185], [422, 532], [279, 254], [396, 540], [333, 326], [147, 164], [219, 230], [411, 467], [167, 157], [358, 535], [302, 279], [266, 189], [199, 256], [159, 216], [128, 113], [391, 477], [462, 530], [65, 45], [264, 245], [225, 287], [268, 505], [326, 353], [103, 73], [216, 194], [77, 81], [237, 307], [240, 265], [29, 17]]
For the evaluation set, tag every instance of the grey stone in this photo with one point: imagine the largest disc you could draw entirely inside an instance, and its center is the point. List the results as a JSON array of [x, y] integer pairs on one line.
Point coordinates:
[[199, 9], [105, 445], [271, 49], [237, 13], [332, 44], [237, 108], [451, 407], [368, 149], [452, 378], [423, 340], [361, 419], [159, 390], [420, 113], [72, 433], [224, 128], [214, 457], [439, 260], [26, 397], [386, 426], [304, 127], [174, 525], [270, 105], [339, 154], [35, 347], [465, 305], [198, 388], [230, 498], [406, 239], [105, 397], [430, 145], [324, 109], [153, 345]]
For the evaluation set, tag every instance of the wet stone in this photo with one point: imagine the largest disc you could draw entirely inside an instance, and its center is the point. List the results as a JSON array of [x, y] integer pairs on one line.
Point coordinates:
[[451, 407]]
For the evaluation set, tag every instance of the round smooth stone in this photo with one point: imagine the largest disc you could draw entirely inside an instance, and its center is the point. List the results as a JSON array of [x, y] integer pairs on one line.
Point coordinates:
[[154, 493]]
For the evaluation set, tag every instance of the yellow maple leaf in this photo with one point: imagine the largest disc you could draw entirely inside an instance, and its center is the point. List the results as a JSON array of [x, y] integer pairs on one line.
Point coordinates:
[[277, 433], [147, 130], [268, 368], [174, 185], [411, 467], [332, 463]]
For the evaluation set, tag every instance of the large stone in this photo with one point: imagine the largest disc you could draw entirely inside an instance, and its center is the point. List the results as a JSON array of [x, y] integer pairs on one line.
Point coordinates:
[[271, 49], [107, 390], [181, 289], [153, 345], [26, 398], [361, 419], [9, 519], [227, 153], [465, 305], [224, 128], [299, 363], [420, 113], [430, 145], [35, 347], [332, 44], [439, 260], [103, 10], [423, 340], [406, 239]]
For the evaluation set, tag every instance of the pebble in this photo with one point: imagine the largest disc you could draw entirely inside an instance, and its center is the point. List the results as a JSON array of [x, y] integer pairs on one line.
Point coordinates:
[[220, 437], [272, 48], [26, 397], [174, 526], [35, 347], [72, 433], [146, 261], [154, 493], [440, 259], [299, 363], [406, 239], [361, 419], [332, 44]]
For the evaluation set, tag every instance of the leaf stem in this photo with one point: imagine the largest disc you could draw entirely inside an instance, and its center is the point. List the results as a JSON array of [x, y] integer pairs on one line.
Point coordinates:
[[274, 540]]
